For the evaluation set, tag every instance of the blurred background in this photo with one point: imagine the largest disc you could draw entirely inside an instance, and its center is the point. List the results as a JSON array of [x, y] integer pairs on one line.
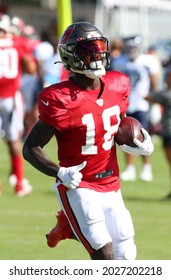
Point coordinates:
[[148, 18]]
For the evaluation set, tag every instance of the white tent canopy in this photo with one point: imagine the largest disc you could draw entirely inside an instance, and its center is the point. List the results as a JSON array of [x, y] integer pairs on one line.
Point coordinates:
[[150, 4], [149, 18]]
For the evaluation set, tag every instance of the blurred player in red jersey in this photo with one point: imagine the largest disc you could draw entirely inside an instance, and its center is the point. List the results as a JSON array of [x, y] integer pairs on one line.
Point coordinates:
[[84, 114], [14, 57]]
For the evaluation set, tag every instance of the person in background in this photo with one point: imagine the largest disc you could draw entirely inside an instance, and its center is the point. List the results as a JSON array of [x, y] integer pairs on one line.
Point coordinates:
[[31, 84], [118, 58], [83, 113], [163, 97], [46, 54], [156, 72], [138, 107], [151, 60], [14, 58]]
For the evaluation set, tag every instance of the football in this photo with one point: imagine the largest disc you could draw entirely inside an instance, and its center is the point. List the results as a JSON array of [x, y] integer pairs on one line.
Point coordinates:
[[129, 129]]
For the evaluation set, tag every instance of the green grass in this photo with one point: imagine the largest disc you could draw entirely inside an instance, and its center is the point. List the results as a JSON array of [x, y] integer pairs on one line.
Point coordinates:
[[25, 221]]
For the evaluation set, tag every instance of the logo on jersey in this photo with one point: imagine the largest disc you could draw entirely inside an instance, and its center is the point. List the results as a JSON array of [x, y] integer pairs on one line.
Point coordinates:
[[46, 103], [99, 102]]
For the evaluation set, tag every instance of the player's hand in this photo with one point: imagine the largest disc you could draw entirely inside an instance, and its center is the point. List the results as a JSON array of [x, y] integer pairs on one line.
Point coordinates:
[[144, 148], [71, 176]]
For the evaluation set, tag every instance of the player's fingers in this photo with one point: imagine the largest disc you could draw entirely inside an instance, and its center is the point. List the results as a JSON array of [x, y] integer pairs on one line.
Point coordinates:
[[75, 175], [137, 142], [72, 186], [145, 133], [130, 150], [81, 166], [75, 183]]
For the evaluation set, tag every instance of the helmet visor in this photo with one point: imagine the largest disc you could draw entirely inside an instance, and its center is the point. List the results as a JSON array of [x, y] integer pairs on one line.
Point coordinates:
[[90, 47]]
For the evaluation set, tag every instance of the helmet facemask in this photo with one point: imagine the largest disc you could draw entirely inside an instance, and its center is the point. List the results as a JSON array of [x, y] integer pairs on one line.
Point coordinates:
[[91, 57]]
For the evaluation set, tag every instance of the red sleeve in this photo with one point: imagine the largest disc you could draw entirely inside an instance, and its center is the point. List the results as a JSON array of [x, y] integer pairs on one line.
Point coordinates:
[[51, 110]]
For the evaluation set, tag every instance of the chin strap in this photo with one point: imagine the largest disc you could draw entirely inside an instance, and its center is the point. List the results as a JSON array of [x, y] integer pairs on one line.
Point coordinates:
[[92, 74]]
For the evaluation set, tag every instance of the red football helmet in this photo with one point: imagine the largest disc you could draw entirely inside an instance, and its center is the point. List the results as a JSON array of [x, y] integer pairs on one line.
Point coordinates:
[[83, 49]]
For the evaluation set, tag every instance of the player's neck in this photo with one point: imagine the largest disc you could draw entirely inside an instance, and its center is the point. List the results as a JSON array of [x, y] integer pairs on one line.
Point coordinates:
[[85, 83]]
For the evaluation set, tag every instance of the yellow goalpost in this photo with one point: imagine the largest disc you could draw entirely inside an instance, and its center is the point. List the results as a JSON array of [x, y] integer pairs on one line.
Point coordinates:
[[64, 15]]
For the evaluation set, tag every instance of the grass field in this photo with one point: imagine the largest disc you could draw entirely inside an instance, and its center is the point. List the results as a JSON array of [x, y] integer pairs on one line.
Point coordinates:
[[25, 221]]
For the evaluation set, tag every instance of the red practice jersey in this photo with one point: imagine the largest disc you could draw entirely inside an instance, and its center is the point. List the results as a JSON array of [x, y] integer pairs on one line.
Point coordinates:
[[86, 125], [12, 51]]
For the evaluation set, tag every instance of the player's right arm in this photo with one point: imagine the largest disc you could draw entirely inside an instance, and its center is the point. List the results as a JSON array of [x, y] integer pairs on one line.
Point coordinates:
[[33, 152]]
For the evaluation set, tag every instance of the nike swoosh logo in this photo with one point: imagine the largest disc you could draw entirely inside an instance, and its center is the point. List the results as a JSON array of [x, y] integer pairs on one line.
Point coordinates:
[[46, 103]]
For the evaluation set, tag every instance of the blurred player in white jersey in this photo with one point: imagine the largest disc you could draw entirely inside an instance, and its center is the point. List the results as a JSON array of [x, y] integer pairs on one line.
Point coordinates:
[[141, 82]]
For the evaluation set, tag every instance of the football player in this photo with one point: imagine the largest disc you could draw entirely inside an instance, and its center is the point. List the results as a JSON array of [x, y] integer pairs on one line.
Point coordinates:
[[14, 57], [83, 113]]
